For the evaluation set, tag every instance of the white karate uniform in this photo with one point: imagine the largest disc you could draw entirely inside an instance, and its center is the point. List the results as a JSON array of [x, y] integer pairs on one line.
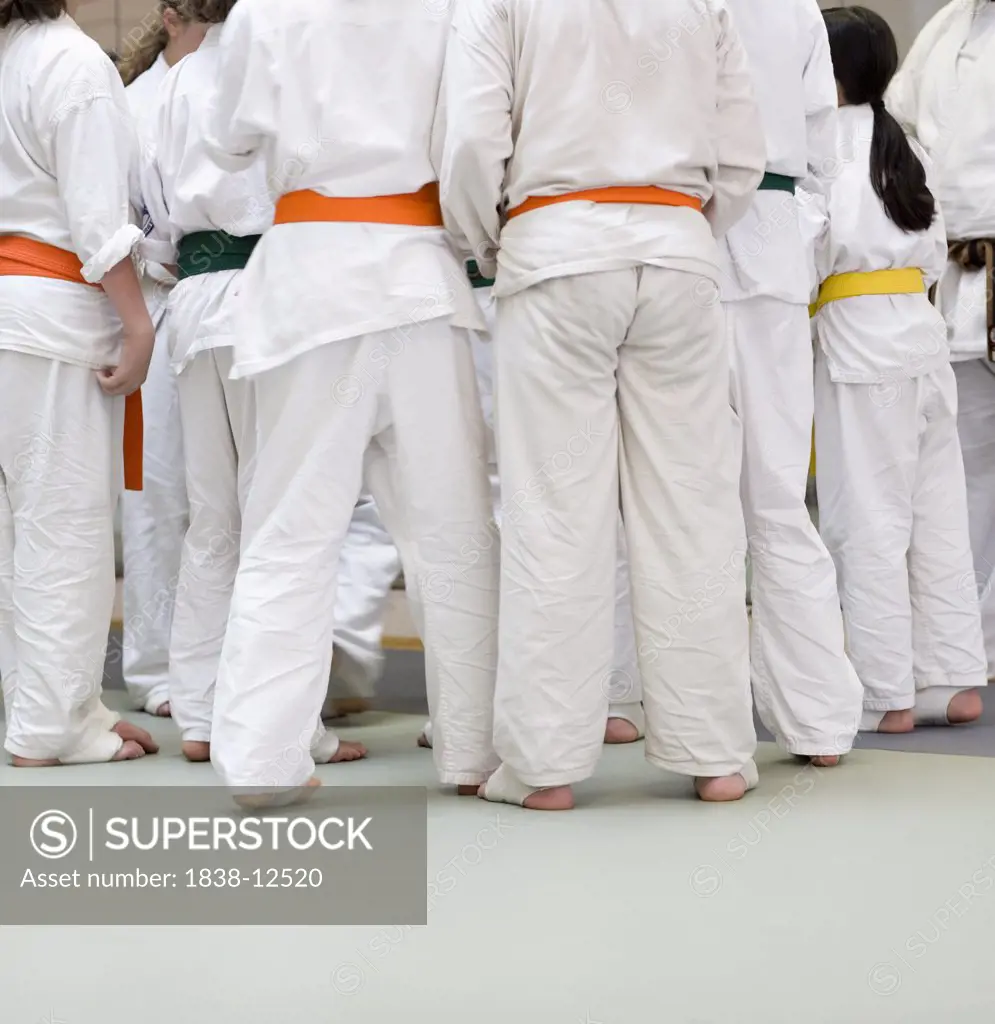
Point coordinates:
[[351, 333], [610, 370], [943, 96], [186, 192], [67, 148], [892, 500], [806, 691], [155, 519]]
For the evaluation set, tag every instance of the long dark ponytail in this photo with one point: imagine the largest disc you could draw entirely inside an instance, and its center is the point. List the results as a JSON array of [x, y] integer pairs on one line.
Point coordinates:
[[865, 59]]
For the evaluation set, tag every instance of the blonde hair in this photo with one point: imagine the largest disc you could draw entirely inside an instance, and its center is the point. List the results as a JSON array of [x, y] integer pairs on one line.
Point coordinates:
[[144, 45]]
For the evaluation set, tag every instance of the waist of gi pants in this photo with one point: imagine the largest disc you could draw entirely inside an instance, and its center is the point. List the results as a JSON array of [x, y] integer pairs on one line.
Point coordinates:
[[27, 257], [640, 195], [906, 281], [208, 252], [414, 209]]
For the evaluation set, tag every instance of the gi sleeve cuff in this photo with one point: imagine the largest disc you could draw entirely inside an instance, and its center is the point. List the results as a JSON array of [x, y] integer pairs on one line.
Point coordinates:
[[118, 248]]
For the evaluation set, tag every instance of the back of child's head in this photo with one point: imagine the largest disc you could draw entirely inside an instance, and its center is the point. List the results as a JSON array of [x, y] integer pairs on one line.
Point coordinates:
[[865, 59]]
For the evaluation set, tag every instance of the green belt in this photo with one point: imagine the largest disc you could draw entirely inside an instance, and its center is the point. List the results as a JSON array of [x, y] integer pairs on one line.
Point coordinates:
[[207, 252], [476, 278], [777, 183]]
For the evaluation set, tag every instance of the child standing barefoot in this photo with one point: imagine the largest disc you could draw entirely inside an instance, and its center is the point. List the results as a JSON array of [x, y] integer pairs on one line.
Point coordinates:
[[67, 289], [892, 500]]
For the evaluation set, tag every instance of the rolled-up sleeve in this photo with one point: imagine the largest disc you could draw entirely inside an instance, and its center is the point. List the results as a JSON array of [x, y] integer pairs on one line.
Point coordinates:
[[94, 152]]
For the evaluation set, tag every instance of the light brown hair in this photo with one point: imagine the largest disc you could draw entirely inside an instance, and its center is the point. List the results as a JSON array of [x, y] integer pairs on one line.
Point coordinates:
[[142, 47]]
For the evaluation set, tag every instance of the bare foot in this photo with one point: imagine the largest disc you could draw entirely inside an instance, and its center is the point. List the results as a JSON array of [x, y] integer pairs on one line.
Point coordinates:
[[164, 711], [723, 789], [262, 801], [965, 707], [620, 730], [467, 790], [898, 722], [350, 706], [130, 751], [423, 742], [347, 752], [127, 731], [196, 750], [825, 760], [556, 798]]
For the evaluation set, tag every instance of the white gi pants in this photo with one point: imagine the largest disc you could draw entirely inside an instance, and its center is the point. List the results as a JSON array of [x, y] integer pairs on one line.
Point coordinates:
[[219, 418], [602, 380], [368, 566], [893, 512], [806, 690], [624, 689], [976, 426], [153, 524], [401, 408], [60, 466]]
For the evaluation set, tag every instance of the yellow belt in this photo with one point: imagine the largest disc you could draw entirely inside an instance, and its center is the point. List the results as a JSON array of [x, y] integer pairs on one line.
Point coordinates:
[[907, 281]]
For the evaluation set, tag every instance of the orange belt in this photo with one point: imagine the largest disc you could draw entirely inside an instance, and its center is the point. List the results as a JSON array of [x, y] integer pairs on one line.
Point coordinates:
[[25, 257], [419, 209], [642, 195]]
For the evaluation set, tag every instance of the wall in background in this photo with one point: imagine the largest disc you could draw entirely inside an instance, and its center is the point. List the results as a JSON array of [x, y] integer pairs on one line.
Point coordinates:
[[906, 17], [111, 21]]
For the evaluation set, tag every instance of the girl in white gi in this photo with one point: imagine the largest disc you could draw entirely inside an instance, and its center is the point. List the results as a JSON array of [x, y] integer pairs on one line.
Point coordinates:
[[75, 338], [943, 96], [154, 521], [806, 690], [612, 377], [347, 322], [892, 501]]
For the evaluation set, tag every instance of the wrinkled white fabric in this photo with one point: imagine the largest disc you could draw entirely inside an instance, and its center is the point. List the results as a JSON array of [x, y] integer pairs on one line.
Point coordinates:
[[220, 412], [788, 51], [369, 564], [893, 512], [67, 154], [805, 689], [424, 460], [154, 519], [885, 340], [976, 426], [942, 95], [336, 103], [612, 384], [509, 129], [60, 441]]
